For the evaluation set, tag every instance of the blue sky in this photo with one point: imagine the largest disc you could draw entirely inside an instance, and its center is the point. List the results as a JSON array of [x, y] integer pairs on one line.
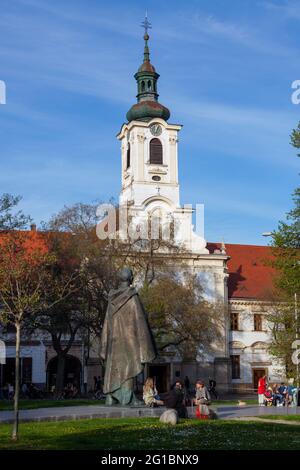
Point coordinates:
[[226, 71]]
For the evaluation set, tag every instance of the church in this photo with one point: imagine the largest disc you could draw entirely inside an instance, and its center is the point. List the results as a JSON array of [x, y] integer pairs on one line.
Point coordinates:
[[237, 276]]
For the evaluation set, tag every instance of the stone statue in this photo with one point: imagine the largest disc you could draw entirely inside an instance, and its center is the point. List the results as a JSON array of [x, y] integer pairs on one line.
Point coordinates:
[[126, 342]]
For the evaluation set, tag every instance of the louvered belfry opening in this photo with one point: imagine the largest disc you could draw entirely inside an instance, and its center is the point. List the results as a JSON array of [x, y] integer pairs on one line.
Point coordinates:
[[156, 153]]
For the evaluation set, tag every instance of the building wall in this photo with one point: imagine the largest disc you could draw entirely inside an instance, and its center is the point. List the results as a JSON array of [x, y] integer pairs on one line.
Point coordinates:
[[38, 354], [252, 346]]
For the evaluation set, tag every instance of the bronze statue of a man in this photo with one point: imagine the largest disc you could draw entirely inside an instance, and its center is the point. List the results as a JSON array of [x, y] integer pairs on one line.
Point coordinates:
[[126, 342]]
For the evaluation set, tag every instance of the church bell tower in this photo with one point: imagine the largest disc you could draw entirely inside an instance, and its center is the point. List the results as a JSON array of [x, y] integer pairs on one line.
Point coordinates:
[[149, 154]]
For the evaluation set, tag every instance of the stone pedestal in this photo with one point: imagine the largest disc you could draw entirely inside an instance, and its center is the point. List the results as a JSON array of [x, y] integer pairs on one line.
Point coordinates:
[[222, 369]]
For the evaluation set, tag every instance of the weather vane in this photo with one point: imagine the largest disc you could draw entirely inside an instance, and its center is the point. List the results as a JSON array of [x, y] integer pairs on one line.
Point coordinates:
[[146, 23]]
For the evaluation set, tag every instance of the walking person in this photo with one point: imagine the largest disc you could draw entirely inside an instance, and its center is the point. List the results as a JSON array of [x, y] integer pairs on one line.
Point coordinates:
[[99, 384], [262, 387], [187, 384], [212, 388], [95, 383], [11, 391]]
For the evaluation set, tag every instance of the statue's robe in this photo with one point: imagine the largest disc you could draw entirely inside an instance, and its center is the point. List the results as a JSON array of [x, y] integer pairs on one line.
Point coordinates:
[[126, 342]]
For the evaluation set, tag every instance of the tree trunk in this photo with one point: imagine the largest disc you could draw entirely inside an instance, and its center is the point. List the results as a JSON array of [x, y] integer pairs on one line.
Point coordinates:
[[60, 373], [17, 384]]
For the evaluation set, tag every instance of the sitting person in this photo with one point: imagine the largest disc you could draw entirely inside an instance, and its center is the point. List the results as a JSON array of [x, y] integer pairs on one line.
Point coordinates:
[[175, 399], [69, 391], [34, 392], [292, 393], [74, 390], [278, 399], [150, 395], [283, 392], [202, 394], [202, 400]]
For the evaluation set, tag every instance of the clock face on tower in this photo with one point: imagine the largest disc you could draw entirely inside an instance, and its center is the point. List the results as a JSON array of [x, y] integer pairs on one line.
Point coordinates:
[[155, 129]]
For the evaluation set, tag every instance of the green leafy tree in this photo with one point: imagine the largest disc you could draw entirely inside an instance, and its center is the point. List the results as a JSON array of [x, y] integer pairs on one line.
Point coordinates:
[[10, 217], [180, 316], [286, 250]]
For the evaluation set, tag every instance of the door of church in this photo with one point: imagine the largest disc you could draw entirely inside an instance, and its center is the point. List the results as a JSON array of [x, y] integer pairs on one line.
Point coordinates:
[[161, 376], [257, 374]]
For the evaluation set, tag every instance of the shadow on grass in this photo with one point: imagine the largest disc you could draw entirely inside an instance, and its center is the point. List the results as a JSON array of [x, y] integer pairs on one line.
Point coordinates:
[[6, 405], [150, 434]]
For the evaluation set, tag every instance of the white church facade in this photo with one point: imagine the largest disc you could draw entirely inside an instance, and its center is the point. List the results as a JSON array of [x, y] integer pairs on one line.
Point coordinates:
[[150, 185], [235, 275]]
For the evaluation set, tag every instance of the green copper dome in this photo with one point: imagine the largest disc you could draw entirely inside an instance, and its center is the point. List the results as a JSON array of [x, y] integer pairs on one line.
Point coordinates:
[[147, 106], [147, 110]]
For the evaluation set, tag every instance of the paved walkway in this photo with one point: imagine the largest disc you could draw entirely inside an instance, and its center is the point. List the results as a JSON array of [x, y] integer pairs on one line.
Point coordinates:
[[98, 411], [233, 412], [79, 412]]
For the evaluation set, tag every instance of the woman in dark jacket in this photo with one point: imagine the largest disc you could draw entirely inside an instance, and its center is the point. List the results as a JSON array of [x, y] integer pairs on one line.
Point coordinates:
[[174, 399]]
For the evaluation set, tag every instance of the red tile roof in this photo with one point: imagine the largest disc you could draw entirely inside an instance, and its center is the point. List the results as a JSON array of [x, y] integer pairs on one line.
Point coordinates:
[[250, 276]]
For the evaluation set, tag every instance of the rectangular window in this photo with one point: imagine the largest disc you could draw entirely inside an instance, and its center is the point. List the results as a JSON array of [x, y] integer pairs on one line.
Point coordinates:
[[27, 370], [8, 370], [257, 322], [235, 367], [234, 321], [8, 374]]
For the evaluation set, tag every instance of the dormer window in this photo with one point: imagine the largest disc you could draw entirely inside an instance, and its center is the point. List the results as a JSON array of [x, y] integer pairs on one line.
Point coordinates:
[[156, 152]]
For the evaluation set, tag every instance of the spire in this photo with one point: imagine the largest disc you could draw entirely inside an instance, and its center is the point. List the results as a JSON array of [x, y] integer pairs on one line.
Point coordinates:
[[147, 106], [146, 25], [146, 65], [146, 49]]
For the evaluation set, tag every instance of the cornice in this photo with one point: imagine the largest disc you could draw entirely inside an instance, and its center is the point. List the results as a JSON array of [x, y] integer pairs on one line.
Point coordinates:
[[249, 302]]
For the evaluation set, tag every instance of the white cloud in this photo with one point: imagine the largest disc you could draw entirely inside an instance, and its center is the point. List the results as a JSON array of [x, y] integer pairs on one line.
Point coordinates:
[[285, 10]]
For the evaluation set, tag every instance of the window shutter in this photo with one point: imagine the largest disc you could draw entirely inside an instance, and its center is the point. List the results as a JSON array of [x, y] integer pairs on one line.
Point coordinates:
[[156, 156]]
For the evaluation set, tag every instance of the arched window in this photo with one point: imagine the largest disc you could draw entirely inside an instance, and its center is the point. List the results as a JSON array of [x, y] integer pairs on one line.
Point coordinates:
[[149, 85], [156, 152], [143, 85], [128, 156]]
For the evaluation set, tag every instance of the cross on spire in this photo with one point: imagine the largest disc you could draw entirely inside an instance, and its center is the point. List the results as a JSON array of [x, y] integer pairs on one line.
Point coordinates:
[[146, 24]]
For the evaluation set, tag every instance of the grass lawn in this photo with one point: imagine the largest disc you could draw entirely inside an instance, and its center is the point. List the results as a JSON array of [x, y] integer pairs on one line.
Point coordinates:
[[149, 433], [34, 404], [288, 417]]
